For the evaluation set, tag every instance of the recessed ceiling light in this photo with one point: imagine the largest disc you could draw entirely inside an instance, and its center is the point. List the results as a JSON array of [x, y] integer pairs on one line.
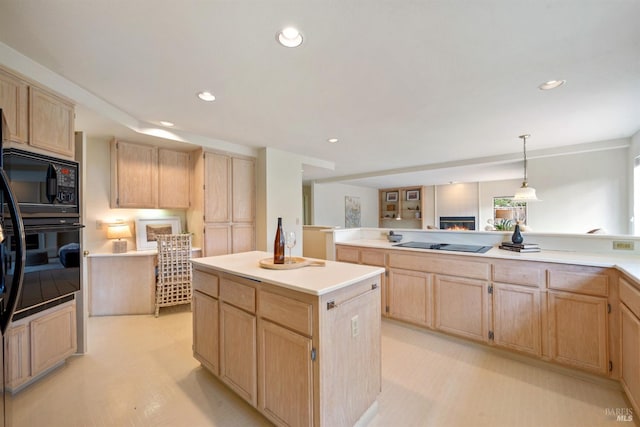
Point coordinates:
[[206, 96], [289, 37], [167, 124], [332, 140], [551, 84]]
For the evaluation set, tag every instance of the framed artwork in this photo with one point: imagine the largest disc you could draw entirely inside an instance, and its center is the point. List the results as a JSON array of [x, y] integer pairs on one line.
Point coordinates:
[[413, 195], [392, 196], [351, 212], [147, 230]]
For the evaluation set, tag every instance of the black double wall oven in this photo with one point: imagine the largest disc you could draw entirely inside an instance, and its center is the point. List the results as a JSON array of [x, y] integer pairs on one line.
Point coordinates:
[[47, 192]]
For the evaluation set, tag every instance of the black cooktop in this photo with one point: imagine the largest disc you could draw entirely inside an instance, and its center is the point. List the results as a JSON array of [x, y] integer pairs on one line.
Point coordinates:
[[445, 247]]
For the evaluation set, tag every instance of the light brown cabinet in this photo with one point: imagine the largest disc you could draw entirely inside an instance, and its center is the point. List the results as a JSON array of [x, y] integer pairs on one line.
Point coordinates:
[[14, 96], [462, 307], [578, 330], [38, 119], [51, 123], [286, 375], [375, 257], [225, 208], [630, 339], [292, 354], [410, 296], [144, 177], [173, 179], [38, 343], [205, 331], [516, 318]]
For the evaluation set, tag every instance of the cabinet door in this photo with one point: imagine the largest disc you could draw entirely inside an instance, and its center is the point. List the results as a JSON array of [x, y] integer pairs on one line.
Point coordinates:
[[244, 190], [217, 239], [17, 356], [578, 330], [205, 330], [243, 238], [14, 95], [630, 334], [377, 258], [50, 122], [410, 296], [462, 307], [516, 318], [285, 375], [136, 175], [173, 179], [238, 352], [216, 186], [53, 339]]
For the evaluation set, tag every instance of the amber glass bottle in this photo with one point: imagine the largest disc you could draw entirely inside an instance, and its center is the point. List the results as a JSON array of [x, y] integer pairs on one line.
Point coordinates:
[[278, 245]]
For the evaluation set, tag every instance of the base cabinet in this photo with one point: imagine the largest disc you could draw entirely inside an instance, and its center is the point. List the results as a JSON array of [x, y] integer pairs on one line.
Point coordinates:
[[300, 359], [516, 318], [205, 331], [578, 330], [410, 296], [630, 334], [38, 343], [238, 352], [462, 307], [286, 375]]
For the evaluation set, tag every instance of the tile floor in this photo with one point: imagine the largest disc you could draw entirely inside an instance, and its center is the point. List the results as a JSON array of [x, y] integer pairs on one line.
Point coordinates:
[[140, 372]]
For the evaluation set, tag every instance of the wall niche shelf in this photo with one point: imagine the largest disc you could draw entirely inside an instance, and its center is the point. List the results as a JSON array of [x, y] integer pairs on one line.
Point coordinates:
[[402, 207]]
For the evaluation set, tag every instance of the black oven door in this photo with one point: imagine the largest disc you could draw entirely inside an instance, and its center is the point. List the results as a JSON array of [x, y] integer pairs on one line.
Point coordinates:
[[52, 268]]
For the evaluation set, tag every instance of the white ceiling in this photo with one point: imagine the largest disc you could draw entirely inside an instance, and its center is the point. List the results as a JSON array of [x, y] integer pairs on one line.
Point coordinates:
[[402, 84]]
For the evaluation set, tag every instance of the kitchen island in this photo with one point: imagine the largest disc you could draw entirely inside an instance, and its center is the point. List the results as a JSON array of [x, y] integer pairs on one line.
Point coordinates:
[[300, 345]]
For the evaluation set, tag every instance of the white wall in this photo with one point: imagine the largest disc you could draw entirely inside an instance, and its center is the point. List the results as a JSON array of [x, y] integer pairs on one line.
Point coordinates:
[[579, 192], [329, 204], [279, 195]]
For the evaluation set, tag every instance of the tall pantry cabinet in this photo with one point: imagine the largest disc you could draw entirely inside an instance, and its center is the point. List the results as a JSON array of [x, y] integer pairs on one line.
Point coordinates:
[[222, 216]]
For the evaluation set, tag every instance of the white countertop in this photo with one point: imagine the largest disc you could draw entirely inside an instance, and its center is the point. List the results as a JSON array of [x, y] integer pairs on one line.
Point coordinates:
[[310, 280], [629, 264]]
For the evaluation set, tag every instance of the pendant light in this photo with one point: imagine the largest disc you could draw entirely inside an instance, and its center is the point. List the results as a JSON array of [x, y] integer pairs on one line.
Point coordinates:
[[525, 193]]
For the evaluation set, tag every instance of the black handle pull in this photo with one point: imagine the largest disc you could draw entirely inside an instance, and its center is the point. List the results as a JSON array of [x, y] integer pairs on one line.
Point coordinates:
[[52, 184]]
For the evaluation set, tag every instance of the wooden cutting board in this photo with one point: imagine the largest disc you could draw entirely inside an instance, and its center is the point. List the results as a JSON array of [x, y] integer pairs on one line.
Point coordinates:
[[297, 263]]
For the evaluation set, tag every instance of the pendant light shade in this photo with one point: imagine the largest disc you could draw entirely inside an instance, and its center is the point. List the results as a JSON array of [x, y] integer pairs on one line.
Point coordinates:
[[525, 193]]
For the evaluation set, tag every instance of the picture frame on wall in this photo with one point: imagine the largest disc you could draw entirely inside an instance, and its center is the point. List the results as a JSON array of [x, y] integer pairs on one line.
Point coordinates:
[[148, 228], [413, 195], [392, 196]]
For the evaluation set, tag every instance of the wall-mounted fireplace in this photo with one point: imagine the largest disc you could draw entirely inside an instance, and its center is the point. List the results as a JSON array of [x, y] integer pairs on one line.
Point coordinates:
[[457, 222]]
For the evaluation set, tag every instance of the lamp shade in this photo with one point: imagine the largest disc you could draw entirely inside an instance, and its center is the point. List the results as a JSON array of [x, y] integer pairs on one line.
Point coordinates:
[[118, 231], [526, 194]]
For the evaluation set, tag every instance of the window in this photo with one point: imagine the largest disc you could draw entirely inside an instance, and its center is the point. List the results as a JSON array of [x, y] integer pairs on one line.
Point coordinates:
[[507, 212]]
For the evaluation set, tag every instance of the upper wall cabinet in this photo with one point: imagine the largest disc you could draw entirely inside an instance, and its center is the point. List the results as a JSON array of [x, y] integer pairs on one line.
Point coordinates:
[[51, 124], [173, 179], [36, 117], [143, 176], [14, 95]]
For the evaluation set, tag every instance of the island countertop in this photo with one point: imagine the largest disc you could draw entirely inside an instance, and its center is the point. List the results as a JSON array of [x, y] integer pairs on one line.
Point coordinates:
[[314, 280]]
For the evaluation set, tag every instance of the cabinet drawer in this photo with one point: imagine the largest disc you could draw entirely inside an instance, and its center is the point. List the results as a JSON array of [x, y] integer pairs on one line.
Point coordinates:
[[519, 273], [235, 293], [206, 283], [584, 280], [630, 296], [449, 265], [372, 258], [347, 254], [293, 314]]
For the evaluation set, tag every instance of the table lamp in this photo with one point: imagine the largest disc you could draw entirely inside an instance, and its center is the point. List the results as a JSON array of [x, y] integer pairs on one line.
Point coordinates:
[[118, 231]]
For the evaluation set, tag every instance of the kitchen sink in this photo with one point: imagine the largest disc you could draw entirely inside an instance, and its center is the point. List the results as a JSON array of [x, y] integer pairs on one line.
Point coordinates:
[[445, 247]]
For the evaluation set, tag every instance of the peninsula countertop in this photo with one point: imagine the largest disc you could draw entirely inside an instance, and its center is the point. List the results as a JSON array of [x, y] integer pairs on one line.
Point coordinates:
[[629, 264], [314, 280]]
